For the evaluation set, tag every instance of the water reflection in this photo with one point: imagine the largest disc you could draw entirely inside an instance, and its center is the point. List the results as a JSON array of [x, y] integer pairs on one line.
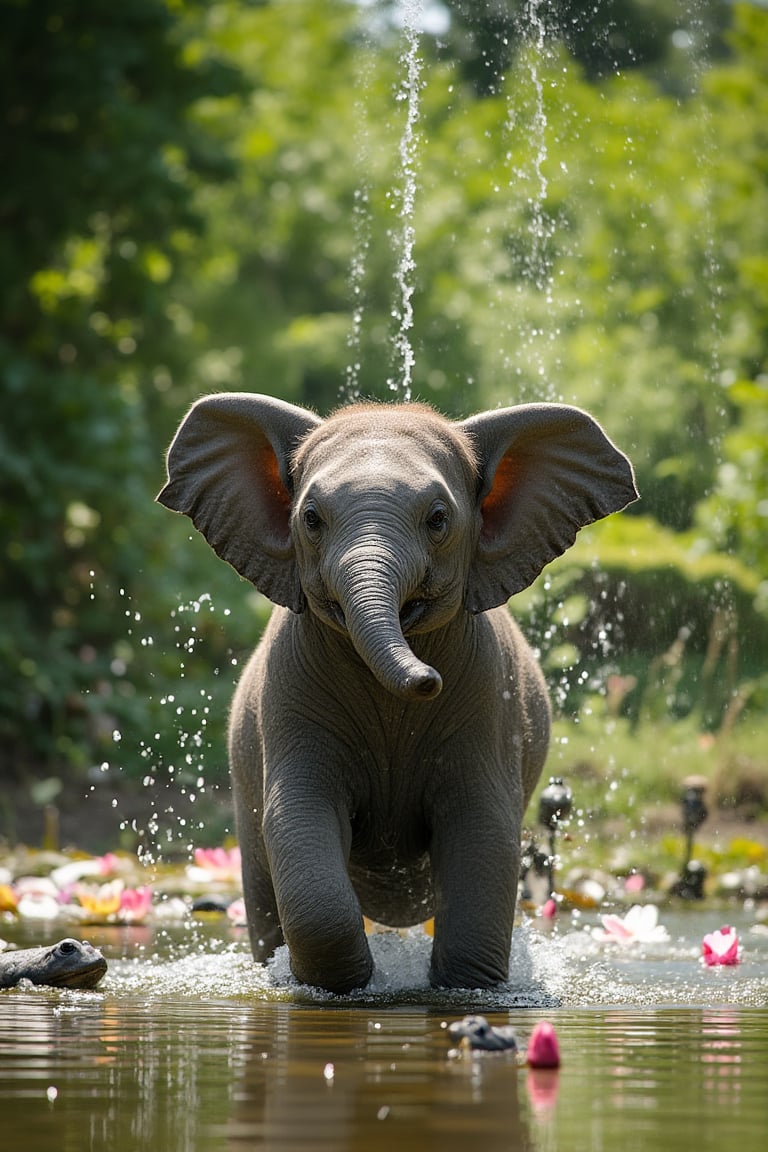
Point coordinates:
[[721, 1056], [96, 1073], [132, 1072], [391, 1085], [189, 1045]]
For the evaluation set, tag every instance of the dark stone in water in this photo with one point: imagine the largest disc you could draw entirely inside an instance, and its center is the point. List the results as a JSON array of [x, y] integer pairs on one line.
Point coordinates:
[[475, 1032], [211, 904]]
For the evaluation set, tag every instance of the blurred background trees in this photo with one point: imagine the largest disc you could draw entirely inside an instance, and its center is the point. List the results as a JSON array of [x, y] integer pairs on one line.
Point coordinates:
[[202, 196]]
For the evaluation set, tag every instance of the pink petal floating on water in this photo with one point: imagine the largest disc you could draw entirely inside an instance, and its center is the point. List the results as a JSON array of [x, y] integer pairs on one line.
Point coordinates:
[[720, 947], [543, 1048], [640, 925]]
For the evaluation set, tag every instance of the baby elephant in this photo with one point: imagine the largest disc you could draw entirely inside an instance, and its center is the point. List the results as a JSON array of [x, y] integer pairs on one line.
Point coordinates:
[[390, 727]]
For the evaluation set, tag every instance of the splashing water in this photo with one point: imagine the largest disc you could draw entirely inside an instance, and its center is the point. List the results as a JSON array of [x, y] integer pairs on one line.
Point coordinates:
[[361, 231], [361, 235], [537, 264], [185, 776], [412, 12], [560, 968], [166, 743], [540, 228]]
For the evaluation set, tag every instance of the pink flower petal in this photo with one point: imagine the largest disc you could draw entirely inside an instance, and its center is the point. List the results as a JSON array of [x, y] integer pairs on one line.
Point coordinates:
[[615, 927], [543, 1048], [720, 947], [107, 863]]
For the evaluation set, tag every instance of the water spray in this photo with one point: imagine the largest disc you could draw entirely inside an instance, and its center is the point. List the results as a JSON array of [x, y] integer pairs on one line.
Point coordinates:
[[409, 92]]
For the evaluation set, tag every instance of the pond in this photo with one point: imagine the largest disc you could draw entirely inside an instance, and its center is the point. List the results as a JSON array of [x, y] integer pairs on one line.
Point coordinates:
[[186, 1044]]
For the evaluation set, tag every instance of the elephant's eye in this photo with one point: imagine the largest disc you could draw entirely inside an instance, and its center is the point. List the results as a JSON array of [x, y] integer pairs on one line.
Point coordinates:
[[311, 518], [437, 521]]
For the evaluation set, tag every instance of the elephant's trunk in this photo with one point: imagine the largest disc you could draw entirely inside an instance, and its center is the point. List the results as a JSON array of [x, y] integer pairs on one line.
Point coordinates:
[[371, 596]]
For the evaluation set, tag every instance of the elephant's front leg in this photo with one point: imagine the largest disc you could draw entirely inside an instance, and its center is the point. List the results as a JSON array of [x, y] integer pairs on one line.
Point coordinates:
[[308, 840], [264, 929], [475, 858]]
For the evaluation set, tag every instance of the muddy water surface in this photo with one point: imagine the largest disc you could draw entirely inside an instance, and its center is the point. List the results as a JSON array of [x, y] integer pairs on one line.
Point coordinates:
[[188, 1045]]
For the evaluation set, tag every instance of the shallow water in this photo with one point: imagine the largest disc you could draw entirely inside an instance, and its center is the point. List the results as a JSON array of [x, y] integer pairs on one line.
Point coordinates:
[[186, 1044]]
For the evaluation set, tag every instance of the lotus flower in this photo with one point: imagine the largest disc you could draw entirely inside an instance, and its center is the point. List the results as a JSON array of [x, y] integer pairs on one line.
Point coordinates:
[[720, 947], [639, 926], [134, 904], [100, 902], [38, 898], [543, 1048], [215, 864]]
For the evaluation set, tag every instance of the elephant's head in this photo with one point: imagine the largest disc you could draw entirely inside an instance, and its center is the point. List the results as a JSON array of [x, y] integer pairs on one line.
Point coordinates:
[[388, 520]]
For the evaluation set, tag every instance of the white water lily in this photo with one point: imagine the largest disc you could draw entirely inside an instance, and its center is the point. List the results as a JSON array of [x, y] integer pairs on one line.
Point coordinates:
[[639, 926]]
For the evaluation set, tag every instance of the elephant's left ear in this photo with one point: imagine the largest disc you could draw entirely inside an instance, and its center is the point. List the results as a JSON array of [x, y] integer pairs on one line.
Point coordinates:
[[546, 471]]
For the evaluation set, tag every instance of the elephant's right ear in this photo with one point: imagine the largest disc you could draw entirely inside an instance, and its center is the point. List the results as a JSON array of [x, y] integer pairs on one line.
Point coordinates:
[[229, 471]]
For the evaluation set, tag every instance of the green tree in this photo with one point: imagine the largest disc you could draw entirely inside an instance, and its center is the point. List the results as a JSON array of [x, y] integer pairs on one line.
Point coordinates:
[[604, 38], [102, 159]]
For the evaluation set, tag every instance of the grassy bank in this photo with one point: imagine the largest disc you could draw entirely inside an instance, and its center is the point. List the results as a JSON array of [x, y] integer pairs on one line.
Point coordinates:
[[627, 785]]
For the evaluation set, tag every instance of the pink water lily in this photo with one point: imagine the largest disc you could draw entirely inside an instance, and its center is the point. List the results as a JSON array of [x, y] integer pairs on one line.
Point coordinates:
[[720, 947], [217, 859], [135, 903], [221, 864], [639, 926]]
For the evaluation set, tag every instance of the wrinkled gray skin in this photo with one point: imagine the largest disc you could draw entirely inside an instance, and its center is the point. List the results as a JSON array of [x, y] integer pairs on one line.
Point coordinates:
[[68, 964], [391, 726]]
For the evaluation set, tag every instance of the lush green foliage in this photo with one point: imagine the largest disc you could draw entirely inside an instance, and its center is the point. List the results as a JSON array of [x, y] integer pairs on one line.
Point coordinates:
[[210, 195]]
